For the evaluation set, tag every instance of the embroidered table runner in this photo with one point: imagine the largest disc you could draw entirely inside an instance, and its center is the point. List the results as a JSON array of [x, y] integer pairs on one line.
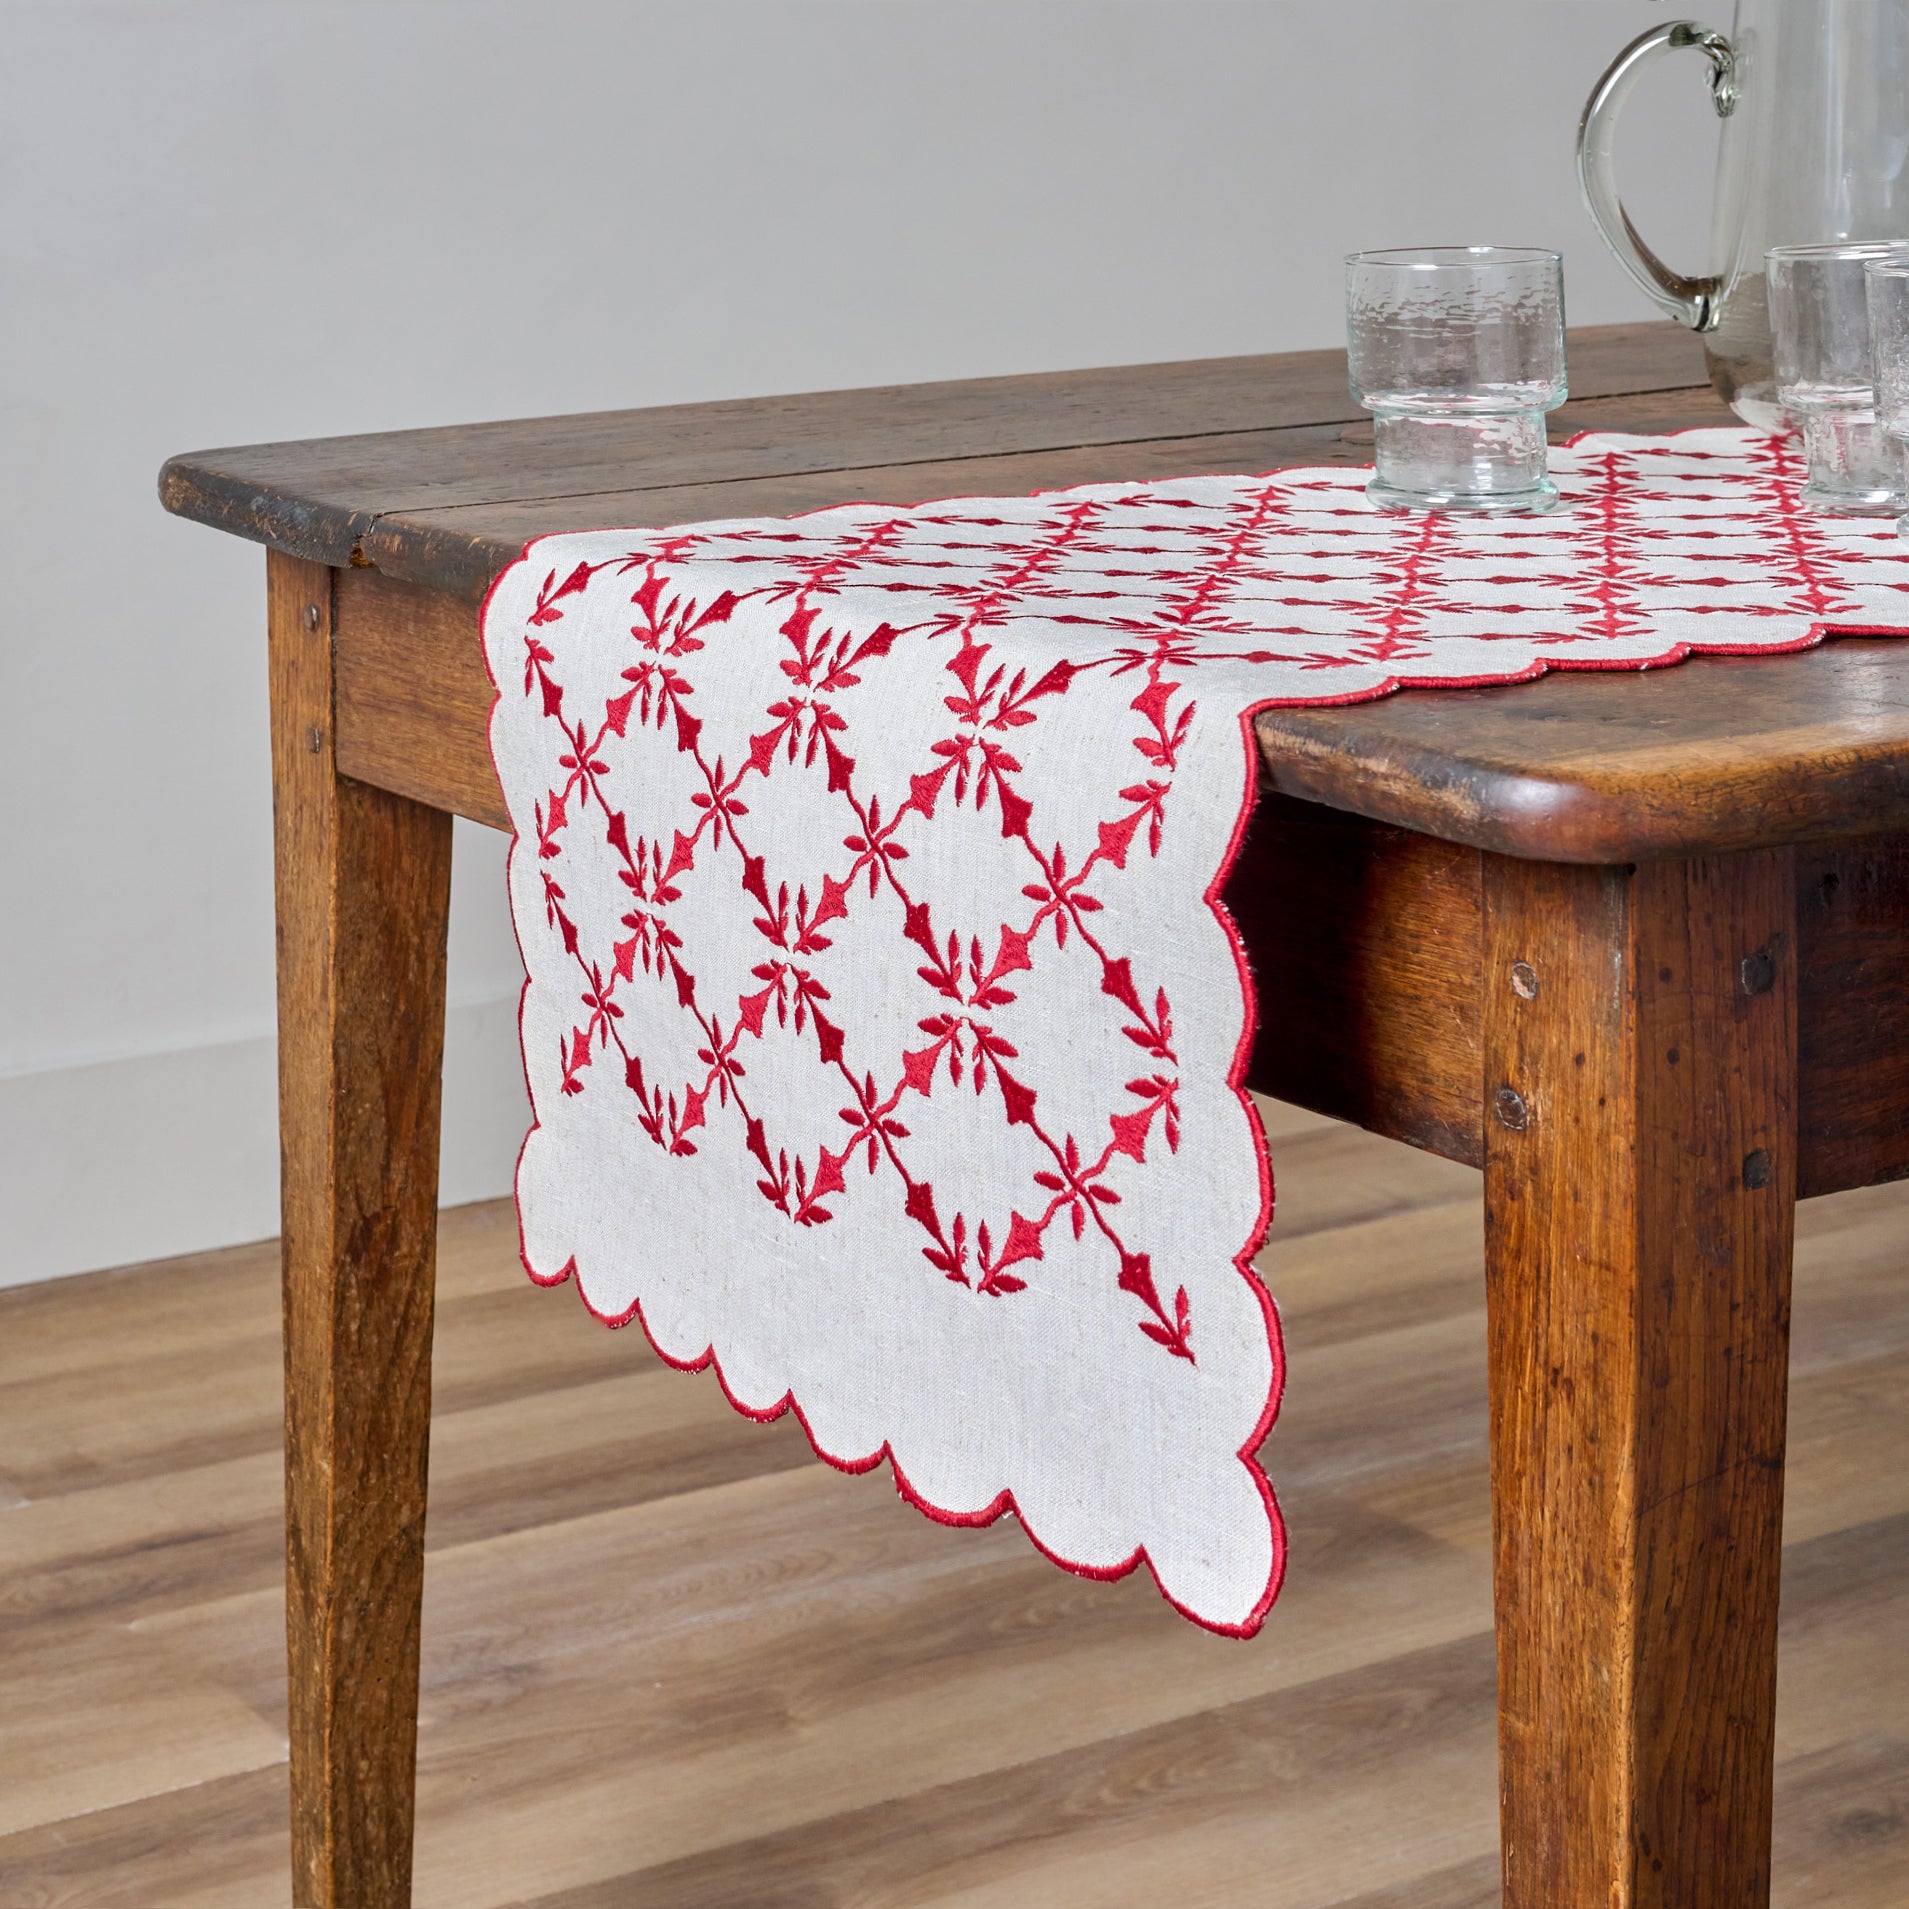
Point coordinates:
[[884, 1033]]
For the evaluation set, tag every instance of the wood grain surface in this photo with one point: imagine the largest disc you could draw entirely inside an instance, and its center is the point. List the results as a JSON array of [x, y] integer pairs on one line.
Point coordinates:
[[1365, 943], [459, 549], [1718, 753], [1640, 1184], [1853, 1073], [414, 699], [1367, 948], [363, 883], [670, 1659], [321, 498], [1578, 767]]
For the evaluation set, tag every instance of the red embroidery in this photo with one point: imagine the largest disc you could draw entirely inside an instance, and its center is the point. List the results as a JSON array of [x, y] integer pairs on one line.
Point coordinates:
[[976, 780]]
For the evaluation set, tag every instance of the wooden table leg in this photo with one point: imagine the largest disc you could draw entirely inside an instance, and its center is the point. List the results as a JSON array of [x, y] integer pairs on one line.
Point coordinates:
[[1640, 1054], [363, 894]]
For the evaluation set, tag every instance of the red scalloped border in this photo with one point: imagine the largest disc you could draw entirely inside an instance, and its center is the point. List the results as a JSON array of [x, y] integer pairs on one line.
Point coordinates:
[[1817, 634]]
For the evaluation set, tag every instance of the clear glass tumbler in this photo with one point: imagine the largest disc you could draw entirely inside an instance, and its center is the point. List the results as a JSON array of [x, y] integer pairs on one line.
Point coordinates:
[[1887, 285], [1458, 353], [1825, 376]]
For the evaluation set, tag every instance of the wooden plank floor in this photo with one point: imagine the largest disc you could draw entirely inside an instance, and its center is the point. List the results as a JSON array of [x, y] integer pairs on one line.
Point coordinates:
[[669, 1659]]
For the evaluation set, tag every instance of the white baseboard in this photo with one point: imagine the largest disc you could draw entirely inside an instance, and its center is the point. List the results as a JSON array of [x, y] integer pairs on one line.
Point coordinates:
[[139, 1159]]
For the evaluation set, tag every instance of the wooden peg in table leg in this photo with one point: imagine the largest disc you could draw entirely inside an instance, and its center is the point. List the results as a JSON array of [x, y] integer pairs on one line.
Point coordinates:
[[1640, 1173], [363, 881]]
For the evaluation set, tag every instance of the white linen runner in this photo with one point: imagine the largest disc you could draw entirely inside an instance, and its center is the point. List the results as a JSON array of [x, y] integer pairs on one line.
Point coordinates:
[[883, 1029]]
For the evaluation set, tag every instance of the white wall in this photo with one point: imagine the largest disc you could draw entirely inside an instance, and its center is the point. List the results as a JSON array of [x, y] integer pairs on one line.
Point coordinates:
[[230, 220]]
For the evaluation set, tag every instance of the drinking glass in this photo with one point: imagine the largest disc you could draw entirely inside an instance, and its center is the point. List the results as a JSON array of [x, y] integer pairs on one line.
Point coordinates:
[[1887, 287], [1458, 353], [1819, 316]]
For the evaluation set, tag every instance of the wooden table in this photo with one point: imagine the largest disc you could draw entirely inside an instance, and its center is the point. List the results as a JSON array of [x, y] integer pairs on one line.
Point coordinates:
[[1637, 947]]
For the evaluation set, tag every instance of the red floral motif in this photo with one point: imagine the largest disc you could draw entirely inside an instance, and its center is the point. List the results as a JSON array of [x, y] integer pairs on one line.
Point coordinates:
[[928, 681]]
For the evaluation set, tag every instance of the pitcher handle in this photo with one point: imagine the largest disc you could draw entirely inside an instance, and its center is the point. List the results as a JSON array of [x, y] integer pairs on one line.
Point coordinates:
[[1696, 302]]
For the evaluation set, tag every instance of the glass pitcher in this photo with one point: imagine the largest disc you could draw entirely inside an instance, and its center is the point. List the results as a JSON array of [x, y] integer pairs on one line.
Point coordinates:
[[1814, 99]]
